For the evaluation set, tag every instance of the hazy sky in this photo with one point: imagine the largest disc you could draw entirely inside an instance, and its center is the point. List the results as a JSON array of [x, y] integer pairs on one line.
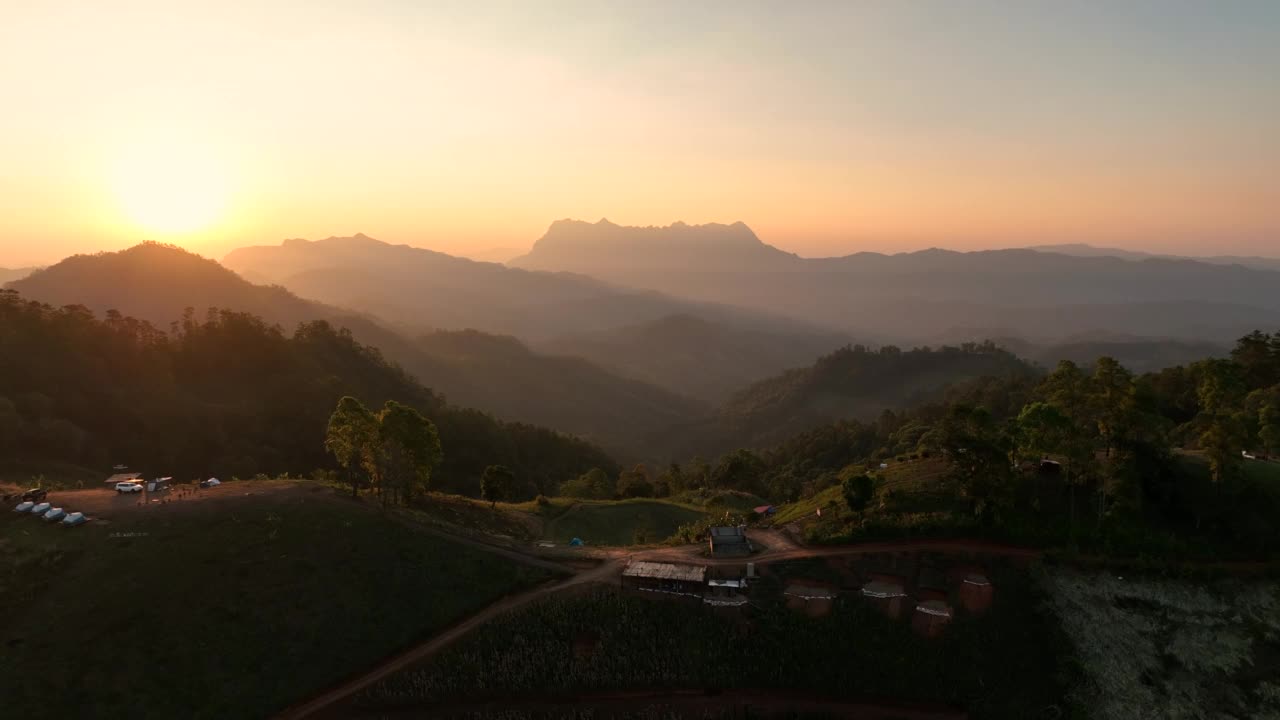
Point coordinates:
[[827, 127]]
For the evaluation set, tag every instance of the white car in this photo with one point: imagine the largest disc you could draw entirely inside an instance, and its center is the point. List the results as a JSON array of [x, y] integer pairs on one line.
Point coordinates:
[[211, 482], [128, 487]]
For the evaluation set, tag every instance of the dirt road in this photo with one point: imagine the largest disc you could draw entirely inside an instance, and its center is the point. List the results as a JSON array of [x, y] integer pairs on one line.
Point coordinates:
[[421, 652]]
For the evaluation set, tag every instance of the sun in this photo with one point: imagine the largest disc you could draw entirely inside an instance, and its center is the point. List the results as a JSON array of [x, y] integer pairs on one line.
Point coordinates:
[[170, 187]]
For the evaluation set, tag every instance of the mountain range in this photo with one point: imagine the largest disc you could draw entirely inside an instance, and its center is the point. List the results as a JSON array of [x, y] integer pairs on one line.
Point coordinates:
[[427, 289], [1086, 250], [916, 297], [495, 374]]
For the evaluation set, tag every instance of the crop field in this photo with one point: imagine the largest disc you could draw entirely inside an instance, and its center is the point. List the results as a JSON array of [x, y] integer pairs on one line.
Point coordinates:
[[260, 601], [1001, 665], [628, 522], [1172, 649]]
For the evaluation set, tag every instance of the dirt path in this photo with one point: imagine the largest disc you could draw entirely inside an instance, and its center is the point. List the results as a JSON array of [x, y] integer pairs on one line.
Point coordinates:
[[421, 652]]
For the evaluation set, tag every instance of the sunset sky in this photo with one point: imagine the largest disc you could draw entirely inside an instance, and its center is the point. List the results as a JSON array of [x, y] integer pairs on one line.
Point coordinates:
[[466, 126]]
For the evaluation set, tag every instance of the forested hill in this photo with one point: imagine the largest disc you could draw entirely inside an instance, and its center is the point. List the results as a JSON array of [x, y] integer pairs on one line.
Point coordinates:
[[227, 395], [494, 374], [698, 357], [11, 274], [854, 382]]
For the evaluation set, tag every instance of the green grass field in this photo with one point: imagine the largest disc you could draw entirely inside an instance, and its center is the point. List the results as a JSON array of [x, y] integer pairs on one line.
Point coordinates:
[[233, 609], [626, 522]]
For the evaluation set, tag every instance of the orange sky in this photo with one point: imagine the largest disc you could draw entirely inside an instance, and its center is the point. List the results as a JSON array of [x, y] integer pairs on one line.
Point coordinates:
[[828, 127]]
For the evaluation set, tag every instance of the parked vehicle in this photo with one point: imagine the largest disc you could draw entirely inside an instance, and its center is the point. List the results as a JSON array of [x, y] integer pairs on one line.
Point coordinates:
[[55, 514], [128, 487], [35, 495], [211, 482]]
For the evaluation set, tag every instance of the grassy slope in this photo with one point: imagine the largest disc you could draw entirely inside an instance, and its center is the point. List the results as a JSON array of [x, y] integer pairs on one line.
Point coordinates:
[[236, 611], [901, 484], [620, 523]]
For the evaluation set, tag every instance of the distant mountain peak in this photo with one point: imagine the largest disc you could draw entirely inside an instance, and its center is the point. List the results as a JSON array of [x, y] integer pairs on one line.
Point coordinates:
[[584, 247]]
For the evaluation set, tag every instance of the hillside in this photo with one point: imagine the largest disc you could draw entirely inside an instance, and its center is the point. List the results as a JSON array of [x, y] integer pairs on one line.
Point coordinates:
[[568, 393], [912, 297], [1085, 250], [229, 395], [498, 375], [697, 357], [212, 594], [424, 288], [852, 383], [11, 274]]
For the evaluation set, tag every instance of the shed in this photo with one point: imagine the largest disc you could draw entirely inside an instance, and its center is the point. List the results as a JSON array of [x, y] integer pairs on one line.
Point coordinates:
[[123, 477], [665, 577], [887, 597], [729, 541], [931, 617]]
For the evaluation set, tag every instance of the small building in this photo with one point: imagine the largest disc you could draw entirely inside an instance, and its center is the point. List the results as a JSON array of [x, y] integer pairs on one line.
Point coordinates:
[[159, 484], [976, 593], [671, 578], [729, 541], [123, 477], [728, 592]]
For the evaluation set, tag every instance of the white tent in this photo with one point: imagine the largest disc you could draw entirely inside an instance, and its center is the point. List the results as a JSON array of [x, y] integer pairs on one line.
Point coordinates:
[[24, 506], [75, 518], [54, 514], [40, 509]]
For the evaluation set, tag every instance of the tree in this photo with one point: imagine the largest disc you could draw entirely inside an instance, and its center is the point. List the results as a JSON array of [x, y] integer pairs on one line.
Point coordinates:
[[858, 491], [979, 455], [409, 452], [635, 483], [1221, 394], [352, 438], [497, 484], [594, 484]]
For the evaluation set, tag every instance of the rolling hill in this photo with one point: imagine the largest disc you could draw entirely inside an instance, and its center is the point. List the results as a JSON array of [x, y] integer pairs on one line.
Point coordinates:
[[11, 274], [498, 375], [424, 288], [850, 383], [697, 357], [913, 297]]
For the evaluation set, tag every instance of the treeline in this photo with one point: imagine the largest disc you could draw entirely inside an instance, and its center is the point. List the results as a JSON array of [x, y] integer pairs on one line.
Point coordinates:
[[227, 394], [853, 382], [1126, 454]]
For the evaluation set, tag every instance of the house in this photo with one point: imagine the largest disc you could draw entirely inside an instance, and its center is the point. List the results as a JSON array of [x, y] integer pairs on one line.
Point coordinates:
[[810, 596], [677, 579], [729, 541]]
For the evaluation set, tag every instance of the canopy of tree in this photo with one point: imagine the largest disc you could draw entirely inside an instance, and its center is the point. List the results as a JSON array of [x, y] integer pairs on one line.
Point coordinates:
[[229, 395]]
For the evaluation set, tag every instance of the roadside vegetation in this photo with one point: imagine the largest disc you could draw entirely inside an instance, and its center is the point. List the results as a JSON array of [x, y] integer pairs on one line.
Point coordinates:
[[233, 607]]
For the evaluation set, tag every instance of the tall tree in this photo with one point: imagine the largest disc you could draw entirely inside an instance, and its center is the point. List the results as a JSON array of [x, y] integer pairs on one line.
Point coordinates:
[[979, 453], [410, 451], [352, 438], [497, 484], [1221, 393]]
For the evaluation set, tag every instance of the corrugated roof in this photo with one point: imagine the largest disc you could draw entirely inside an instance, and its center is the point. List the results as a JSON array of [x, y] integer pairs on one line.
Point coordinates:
[[728, 532], [123, 477], [881, 589], [666, 571]]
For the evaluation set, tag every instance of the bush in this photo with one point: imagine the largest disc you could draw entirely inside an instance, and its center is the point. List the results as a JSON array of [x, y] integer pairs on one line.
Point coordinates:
[[542, 501]]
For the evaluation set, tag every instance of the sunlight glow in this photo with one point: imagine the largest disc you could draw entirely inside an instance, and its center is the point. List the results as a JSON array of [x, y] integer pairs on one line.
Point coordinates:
[[170, 187]]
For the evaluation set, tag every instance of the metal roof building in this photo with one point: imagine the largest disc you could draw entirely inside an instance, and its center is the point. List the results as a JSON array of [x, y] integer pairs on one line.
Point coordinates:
[[665, 577], [729, 541]]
